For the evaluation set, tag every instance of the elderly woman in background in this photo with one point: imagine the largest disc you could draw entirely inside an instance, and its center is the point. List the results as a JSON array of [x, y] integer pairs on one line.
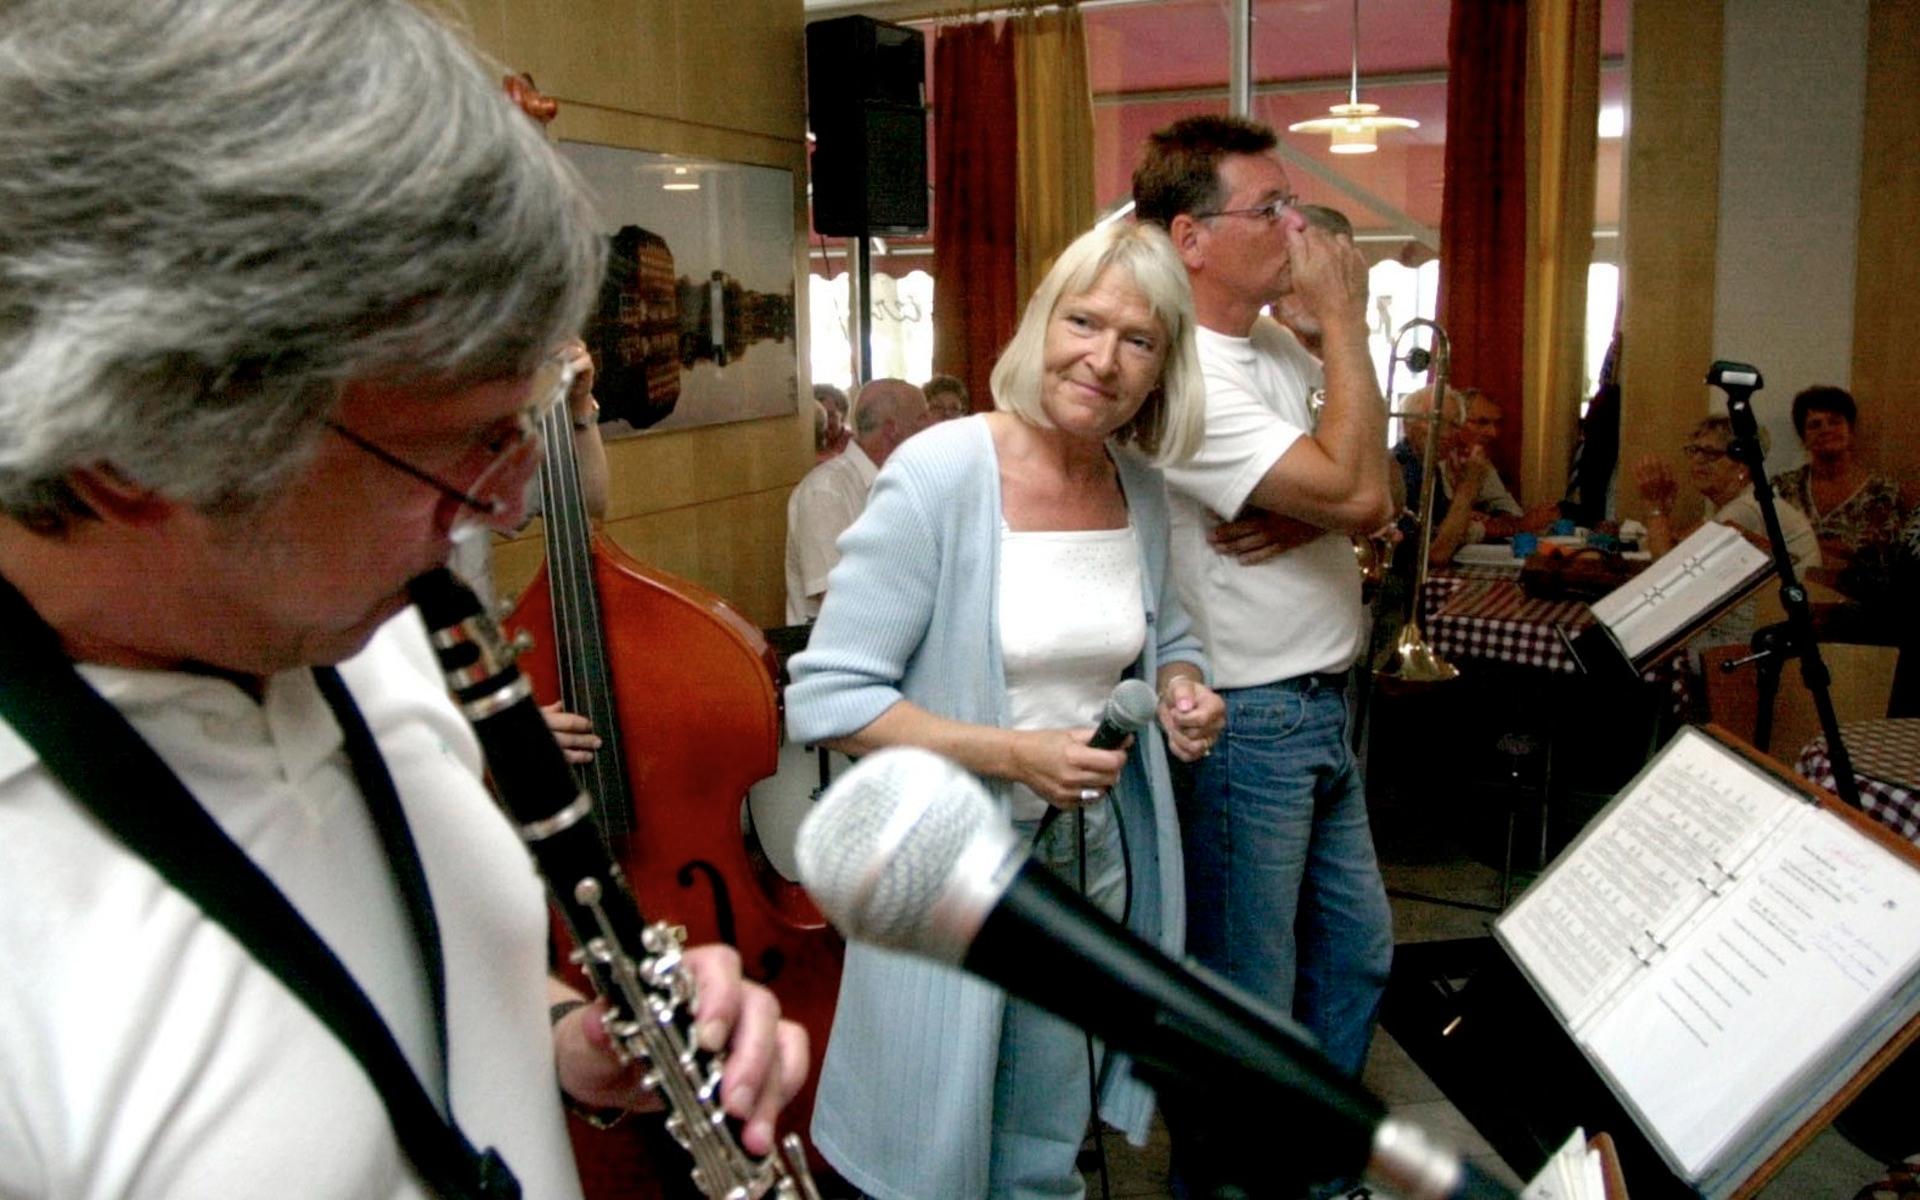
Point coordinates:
[[1856, 514], [1009, 569], [1727, 486]]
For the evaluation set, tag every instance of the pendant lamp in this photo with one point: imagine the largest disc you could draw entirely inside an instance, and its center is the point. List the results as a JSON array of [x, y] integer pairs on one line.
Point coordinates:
[[1353, 125]]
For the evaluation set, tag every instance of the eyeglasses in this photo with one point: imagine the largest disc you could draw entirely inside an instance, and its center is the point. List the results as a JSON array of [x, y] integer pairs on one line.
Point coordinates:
[[1272, 210], [480, 500], [1704, 453]]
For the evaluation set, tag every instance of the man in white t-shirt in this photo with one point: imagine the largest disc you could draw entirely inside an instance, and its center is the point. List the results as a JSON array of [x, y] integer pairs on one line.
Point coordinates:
[[830, 496], [1285, 896], [261, 359]]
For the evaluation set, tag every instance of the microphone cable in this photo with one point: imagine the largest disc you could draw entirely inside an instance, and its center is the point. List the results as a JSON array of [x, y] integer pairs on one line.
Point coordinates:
[[1093, 1075]]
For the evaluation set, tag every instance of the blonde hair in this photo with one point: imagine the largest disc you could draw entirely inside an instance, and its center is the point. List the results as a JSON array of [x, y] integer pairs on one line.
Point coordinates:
[[1170, 423]]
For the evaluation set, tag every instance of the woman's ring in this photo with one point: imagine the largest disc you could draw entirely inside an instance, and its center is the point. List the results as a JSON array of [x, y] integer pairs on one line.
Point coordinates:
[[1089, 795]]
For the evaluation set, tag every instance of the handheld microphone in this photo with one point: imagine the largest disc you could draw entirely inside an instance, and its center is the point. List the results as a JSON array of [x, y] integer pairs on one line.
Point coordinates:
[[907, 851], [1130, 709]]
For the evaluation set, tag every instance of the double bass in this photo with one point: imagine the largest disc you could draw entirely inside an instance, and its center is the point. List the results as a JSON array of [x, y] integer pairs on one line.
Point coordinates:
[[680, 688]]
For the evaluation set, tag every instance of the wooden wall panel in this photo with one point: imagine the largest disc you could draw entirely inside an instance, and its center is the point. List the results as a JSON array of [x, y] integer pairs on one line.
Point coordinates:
[[1670, 224], [621, 54], [723, 545], [719, 81], [1889, 258], [743, 65]]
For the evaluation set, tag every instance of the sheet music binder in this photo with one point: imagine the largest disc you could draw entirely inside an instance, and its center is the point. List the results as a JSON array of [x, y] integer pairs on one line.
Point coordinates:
[[1654, 615], [1667, 1016]]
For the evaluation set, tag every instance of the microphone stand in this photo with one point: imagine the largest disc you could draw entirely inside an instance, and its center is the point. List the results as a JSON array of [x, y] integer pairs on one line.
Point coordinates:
[[1740, 381]]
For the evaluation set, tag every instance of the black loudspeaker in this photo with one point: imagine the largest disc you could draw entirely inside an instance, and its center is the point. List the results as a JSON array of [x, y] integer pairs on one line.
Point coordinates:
[[865, 80]]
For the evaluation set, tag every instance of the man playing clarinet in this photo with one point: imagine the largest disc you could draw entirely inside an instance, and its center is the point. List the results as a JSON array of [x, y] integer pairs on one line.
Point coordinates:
[[281, 286]]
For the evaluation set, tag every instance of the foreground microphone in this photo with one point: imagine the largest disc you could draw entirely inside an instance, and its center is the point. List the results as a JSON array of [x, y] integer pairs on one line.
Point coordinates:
[[1130, 709], [908, 851]]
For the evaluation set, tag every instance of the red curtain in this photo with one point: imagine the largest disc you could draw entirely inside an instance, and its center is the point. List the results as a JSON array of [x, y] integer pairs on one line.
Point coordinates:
[[975, 305], [1483, 211]]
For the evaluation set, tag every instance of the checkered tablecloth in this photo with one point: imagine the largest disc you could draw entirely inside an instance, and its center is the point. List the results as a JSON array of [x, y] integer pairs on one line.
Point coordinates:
[[1491, 618], [1886, 764]]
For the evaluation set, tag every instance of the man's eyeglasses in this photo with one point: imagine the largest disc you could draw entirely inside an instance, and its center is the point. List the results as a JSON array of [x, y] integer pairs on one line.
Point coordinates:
[[480, 500], [1272, 210], [1704, 453]]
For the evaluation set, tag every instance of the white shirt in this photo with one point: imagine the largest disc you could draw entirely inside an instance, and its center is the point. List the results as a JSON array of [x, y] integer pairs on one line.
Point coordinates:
[[1803, 545], [1071, 622], [1298, 613], [144, 1053], [825, 501]]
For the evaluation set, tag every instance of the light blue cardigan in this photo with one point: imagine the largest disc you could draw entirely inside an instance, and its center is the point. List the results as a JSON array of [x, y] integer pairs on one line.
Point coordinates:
[[906, 1086]]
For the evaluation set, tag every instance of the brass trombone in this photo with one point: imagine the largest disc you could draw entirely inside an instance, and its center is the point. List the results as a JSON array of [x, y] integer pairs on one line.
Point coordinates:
[[1410, 659]]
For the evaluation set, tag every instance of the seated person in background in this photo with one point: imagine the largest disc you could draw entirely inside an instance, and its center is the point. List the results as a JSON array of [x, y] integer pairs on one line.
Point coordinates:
[[946, 398], [1856, 514], [836, 435], [829, 497], [1727, 487], [1471, 504]]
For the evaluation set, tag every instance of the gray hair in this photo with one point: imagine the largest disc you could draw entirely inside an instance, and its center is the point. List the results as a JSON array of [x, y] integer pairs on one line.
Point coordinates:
[[1330, 219], [828, 394], [1418, 405], [220, 212], [1169, 426]]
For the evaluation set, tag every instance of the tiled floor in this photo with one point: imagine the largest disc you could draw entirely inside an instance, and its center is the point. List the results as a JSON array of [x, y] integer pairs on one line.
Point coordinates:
[[1830, 1169]]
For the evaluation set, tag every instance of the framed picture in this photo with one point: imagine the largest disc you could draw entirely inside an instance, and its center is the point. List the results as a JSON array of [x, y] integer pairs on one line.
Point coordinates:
[[696, 318]]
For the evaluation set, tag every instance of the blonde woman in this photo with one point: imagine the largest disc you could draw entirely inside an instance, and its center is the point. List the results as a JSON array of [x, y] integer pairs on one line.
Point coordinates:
[[1009, 570]]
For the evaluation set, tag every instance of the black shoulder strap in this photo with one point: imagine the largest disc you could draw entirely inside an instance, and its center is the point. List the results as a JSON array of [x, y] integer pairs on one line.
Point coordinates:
[[90, 748]]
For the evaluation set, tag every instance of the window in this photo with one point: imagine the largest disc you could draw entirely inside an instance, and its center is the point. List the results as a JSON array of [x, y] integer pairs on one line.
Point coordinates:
[[902, 328]]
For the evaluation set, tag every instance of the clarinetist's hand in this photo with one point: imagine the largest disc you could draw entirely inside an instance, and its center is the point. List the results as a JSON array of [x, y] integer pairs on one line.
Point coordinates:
[[766, 1056]]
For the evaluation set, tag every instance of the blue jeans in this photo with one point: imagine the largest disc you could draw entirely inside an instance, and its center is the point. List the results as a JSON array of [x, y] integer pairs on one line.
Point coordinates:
[[1284, 895]]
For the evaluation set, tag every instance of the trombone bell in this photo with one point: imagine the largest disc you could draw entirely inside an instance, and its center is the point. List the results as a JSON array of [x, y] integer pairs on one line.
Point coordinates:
[[1410, 660]]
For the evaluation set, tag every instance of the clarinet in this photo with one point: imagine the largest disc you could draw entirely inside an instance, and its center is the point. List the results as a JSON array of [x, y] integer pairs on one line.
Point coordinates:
[[636, 967]]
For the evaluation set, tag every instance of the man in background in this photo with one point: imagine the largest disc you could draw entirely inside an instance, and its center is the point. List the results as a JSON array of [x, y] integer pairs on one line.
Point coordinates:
[[828, 498], [1284, 893], [1290, 310], [1472, 503]]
